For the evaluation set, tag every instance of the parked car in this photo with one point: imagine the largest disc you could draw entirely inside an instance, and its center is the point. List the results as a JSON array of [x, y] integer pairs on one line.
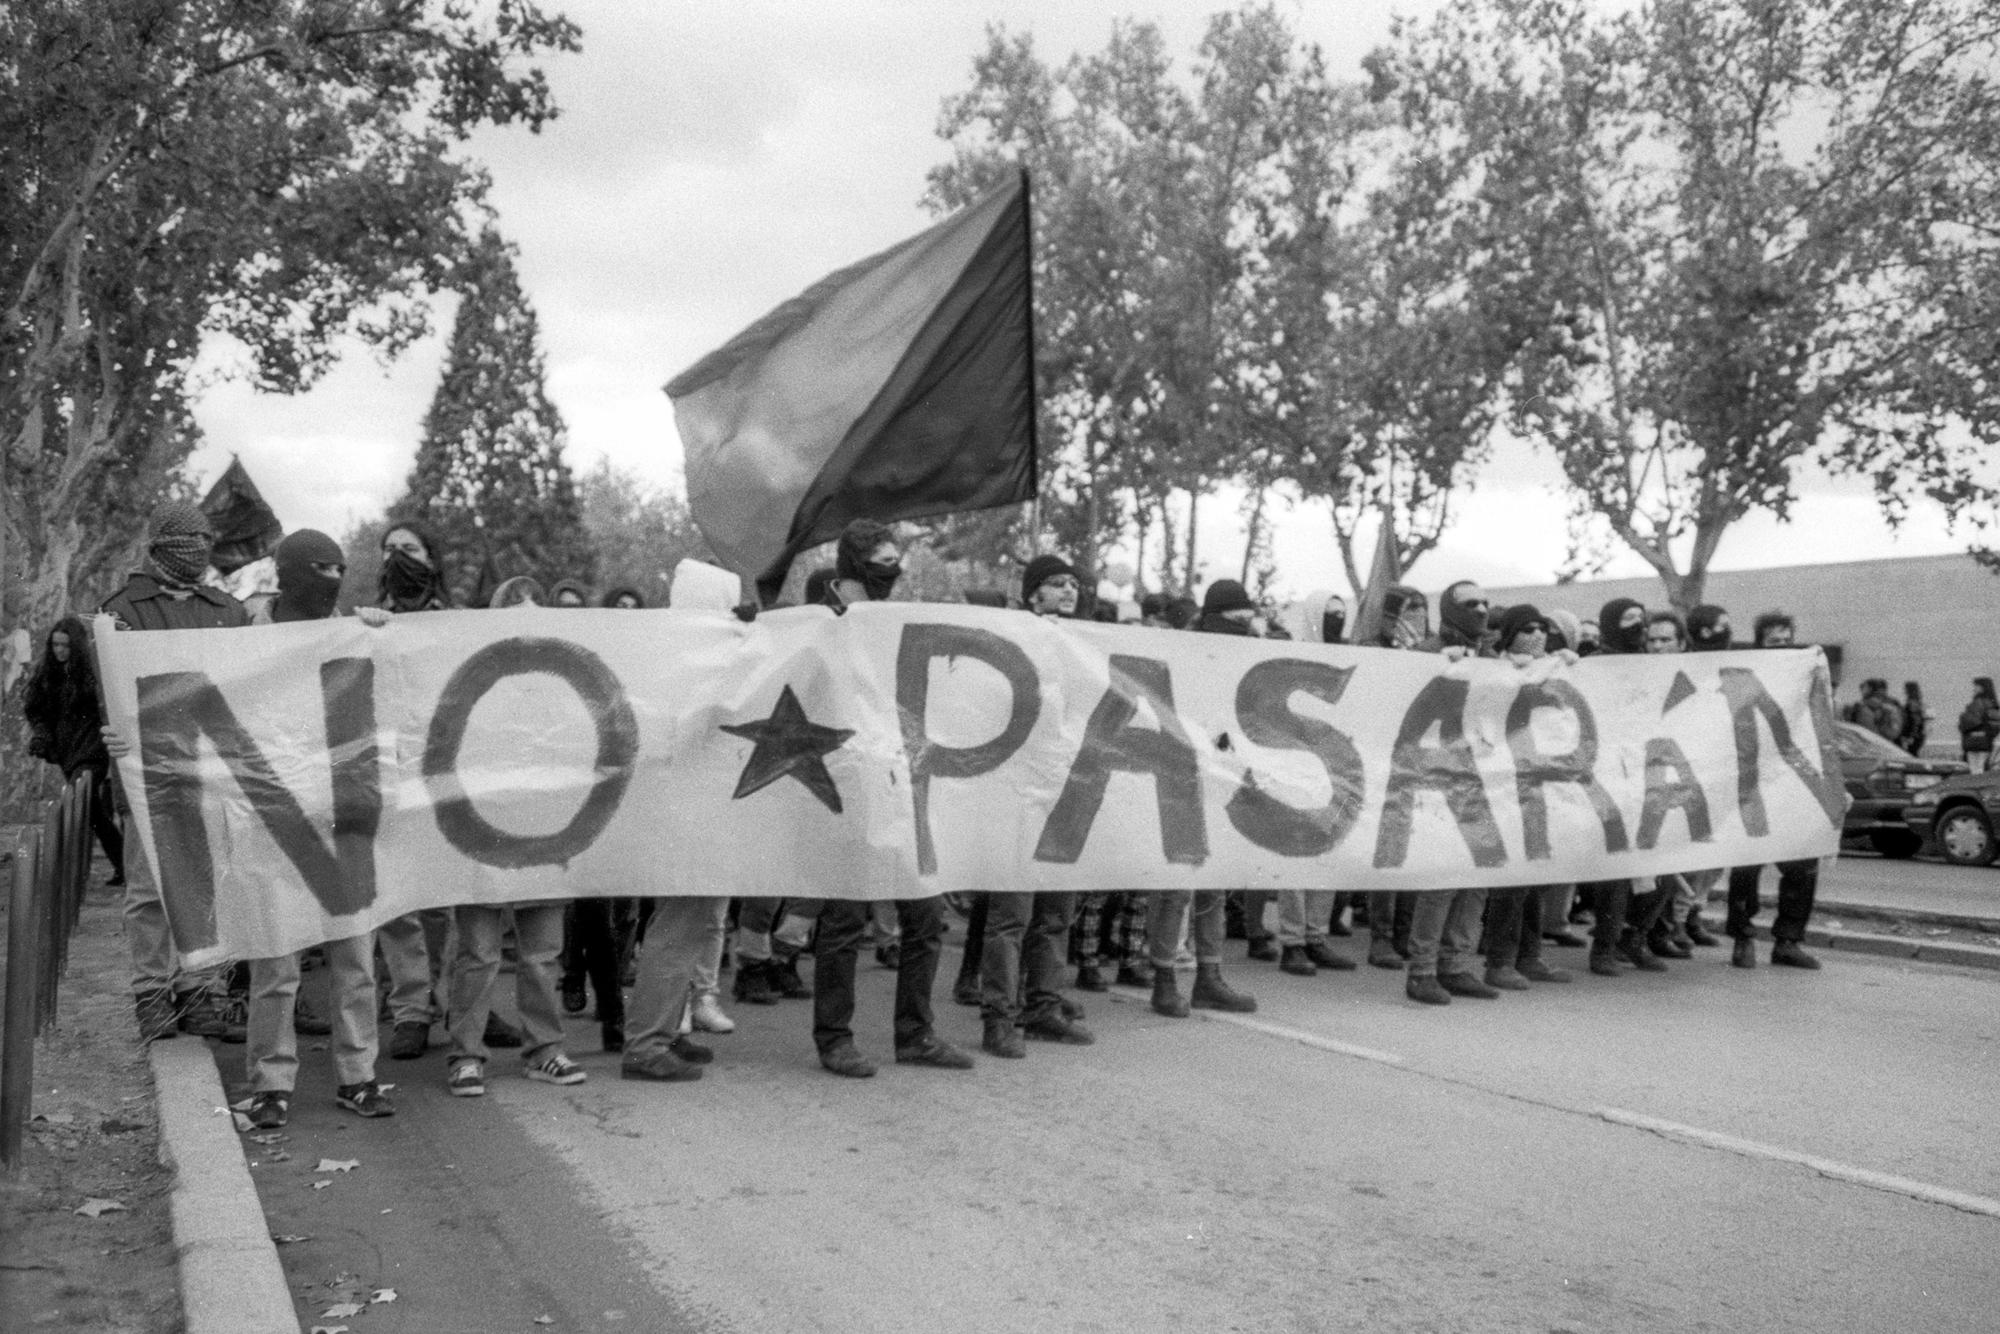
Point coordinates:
[[1959, 816], [1883, 778]]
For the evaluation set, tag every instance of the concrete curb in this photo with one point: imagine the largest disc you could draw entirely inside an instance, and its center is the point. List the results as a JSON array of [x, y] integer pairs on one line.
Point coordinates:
[[1903, 947], [1876, 913], [231, 1281]]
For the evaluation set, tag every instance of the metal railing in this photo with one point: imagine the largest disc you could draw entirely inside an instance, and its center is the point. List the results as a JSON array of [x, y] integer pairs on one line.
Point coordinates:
[[51, 872]]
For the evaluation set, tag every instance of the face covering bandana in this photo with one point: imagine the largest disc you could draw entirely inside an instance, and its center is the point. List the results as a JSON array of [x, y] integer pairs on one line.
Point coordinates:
[[407, 578], [182, 559], [879, 578]]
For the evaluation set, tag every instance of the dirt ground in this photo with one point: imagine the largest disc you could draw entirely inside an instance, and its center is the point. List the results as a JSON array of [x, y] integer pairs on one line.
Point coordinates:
[[94, 1136]]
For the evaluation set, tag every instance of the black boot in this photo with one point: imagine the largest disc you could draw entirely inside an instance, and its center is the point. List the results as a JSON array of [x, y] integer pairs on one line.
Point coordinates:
[[1212, 993], [1167, 998]]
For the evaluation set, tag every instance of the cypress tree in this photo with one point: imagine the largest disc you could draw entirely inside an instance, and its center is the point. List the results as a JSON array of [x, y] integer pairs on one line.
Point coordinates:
[[490, 474]]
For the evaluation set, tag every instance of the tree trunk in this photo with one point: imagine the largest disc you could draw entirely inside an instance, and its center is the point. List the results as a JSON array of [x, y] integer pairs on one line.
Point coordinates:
[[1188, 569]]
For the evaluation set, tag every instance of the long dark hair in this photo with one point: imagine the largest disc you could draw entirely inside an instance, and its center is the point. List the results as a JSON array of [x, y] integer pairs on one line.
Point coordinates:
[[80, 674]]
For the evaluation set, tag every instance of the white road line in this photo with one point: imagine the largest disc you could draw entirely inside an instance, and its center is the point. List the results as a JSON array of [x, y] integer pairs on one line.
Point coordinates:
[[1827, 1167], [1860, 1176], [1298, 1035]]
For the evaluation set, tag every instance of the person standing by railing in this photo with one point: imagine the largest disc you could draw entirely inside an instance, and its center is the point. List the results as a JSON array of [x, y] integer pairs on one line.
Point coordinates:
[[66, 724]]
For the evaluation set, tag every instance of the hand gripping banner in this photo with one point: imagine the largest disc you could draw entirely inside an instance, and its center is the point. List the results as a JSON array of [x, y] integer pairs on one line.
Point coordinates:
[[303, 782]]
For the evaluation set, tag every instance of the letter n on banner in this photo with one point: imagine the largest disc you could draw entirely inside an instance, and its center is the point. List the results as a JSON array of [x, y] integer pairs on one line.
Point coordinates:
[[177, 709], [1110, 742], [1749, 701], [919, 645]]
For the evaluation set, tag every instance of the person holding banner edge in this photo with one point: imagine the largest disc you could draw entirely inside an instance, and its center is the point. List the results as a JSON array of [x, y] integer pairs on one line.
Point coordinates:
[[167, 594], [310, 568]]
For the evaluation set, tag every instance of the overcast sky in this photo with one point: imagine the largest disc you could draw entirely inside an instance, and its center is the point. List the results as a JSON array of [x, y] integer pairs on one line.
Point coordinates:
[[713, 159]]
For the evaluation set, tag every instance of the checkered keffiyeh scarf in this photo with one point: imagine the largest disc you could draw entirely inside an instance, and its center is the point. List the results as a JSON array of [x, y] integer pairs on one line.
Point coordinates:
[[183, 539]]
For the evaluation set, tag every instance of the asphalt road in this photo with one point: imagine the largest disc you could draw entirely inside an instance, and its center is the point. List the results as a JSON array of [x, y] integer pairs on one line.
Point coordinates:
[[1614, 1155]]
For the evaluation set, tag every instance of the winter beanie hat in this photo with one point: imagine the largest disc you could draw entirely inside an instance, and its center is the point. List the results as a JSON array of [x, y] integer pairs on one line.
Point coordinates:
[[1042, 569]]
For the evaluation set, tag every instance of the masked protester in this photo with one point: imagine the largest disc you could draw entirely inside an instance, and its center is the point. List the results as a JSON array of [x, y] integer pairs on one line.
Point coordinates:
[[867, 564], [412, 576], [1226, 609], [1444, 928], [1798, 881], [310, 569], [1708, 631], [1405, 625], [66, 728], [167, 594], [412, 580], [1514, 914], [1616, 909]]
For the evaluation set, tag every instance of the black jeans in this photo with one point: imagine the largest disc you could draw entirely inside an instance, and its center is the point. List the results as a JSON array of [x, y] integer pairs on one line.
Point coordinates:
[[592, 950], [1609, 900], [1513, 926], [842, 925], [1798, 885]]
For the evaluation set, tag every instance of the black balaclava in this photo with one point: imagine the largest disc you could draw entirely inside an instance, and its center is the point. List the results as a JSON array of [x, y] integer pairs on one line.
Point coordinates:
[[1708, 628], [1332, 621], [1612, 639], [407, 583], [851, 559], [1465, 625], [182, 541], [304, 594]]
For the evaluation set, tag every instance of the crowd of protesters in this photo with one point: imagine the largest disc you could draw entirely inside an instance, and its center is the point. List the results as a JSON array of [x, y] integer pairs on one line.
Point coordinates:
[[1025, 955]]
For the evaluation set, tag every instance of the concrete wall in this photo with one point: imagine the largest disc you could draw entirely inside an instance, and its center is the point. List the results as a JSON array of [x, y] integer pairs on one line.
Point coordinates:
[[1934, 620]]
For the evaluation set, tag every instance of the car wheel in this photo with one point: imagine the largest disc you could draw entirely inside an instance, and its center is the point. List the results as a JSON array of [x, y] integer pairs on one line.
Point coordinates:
[[1965, 836], [1897, 843]]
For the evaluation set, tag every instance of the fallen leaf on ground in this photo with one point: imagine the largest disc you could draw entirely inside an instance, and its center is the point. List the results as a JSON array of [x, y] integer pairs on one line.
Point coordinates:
[[93, 1207], [56, 1118], [321, 1185], [337, 1164], [341, 1310], [275, 1137], [383, 1295], [545, 1320], [329, 1329], [289, 1239]]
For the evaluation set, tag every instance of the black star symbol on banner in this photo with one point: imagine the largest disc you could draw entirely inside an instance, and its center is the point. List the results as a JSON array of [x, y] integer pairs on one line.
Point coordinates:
[[789, 743]]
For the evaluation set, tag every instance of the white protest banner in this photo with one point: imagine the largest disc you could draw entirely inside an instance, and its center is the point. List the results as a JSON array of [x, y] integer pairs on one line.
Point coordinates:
[[295, 783]]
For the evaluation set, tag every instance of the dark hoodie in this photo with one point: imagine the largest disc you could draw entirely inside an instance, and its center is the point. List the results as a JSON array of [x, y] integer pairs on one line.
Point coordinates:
[[1405, 618], [62, 707], [1517, 621], [1708, 629], [1460, 626], [1222, 597], [1613, 639]]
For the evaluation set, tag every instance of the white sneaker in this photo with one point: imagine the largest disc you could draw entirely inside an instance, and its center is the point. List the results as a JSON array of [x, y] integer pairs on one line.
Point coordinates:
[[708, 1015]]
